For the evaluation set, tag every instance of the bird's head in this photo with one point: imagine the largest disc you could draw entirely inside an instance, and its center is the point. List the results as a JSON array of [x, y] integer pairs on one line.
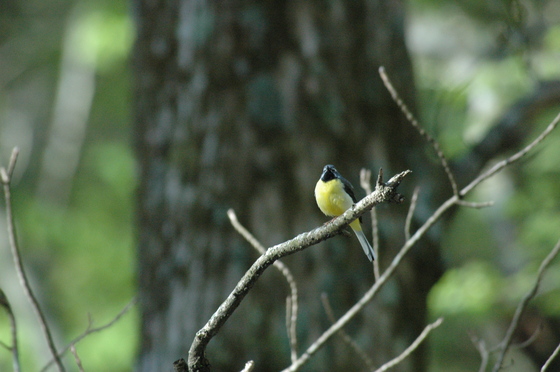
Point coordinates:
[[329, 173]]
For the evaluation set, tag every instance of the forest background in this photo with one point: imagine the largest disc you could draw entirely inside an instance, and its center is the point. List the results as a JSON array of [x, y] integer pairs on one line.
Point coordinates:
[[66, 100]]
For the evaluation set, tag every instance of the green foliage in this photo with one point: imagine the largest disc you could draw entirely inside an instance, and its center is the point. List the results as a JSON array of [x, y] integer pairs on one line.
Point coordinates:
[[103, 37], [473, 60], [88, 248], [469, 290], [79, 252]]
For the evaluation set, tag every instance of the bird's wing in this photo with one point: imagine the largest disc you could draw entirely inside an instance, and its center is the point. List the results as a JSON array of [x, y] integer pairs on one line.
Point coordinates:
[[350, 191]]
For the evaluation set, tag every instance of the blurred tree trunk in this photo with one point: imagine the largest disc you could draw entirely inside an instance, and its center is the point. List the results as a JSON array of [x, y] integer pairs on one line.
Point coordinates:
[[240, 105]]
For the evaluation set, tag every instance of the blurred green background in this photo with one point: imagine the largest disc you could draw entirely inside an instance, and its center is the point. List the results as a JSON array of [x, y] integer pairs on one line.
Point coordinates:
[[65, 93]]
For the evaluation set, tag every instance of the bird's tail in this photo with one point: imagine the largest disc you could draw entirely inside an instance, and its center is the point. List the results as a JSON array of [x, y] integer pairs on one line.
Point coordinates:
[[368, 249]]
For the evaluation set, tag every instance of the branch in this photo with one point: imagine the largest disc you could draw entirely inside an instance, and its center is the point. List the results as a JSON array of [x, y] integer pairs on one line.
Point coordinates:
[[345, 336], [512, 159], [412, 120], [510, 132], [383, 193], [291, 322], [89, 330], [6, 177], [292, 300], [410, 214], [13, 328], [180, 366], [551, 358], [480, 345], [77, 358], [475, 205], [412, 347], [504, 345], [530, 340]]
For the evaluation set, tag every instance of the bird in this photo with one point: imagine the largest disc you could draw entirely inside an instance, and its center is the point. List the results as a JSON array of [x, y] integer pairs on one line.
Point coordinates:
[[335, 195]]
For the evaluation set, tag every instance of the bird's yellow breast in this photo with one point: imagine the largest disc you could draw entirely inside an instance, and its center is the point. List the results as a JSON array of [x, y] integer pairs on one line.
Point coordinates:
[[331, 197]]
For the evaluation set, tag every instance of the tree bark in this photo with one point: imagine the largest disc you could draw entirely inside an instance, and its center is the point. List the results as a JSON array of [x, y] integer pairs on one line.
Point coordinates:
[[240, 105]]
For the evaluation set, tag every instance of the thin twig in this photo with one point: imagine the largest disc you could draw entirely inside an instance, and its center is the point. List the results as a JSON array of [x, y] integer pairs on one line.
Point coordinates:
[[6, 176], [502, 164], [365, 183], [504, 345], [412, 347], [345, 336], [475, 205], [292, 301], [480, 345], [485, 352], [530, 340], [291, 323], [13, 329], [551, 358], [410, 214], [415, 124], [89, 330], [77, 358]]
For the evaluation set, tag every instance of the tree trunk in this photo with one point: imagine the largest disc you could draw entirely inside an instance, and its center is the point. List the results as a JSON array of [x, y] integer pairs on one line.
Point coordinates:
[[240, 105]]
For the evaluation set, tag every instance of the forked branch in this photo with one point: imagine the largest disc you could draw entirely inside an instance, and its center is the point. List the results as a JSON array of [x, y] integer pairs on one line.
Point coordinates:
[[384, 192], [504, 345]]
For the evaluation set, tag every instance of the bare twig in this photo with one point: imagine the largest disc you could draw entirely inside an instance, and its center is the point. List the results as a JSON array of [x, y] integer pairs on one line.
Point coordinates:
[[415, 124], [365, 182], [345, 336], [292, 301], [6, 177], [7, 173], [551, 358], [410, 214], [412, 347], [13, 329], [77, 358], [530, 340], [244, 232], [485, 352], [504, 345], [89, 330], [475, 205], [383, 193], [291, 323], [480, 345], [502, 164]]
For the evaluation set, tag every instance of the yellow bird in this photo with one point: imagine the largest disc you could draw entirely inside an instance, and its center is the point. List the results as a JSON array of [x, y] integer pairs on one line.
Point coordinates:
[[334, 196]]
